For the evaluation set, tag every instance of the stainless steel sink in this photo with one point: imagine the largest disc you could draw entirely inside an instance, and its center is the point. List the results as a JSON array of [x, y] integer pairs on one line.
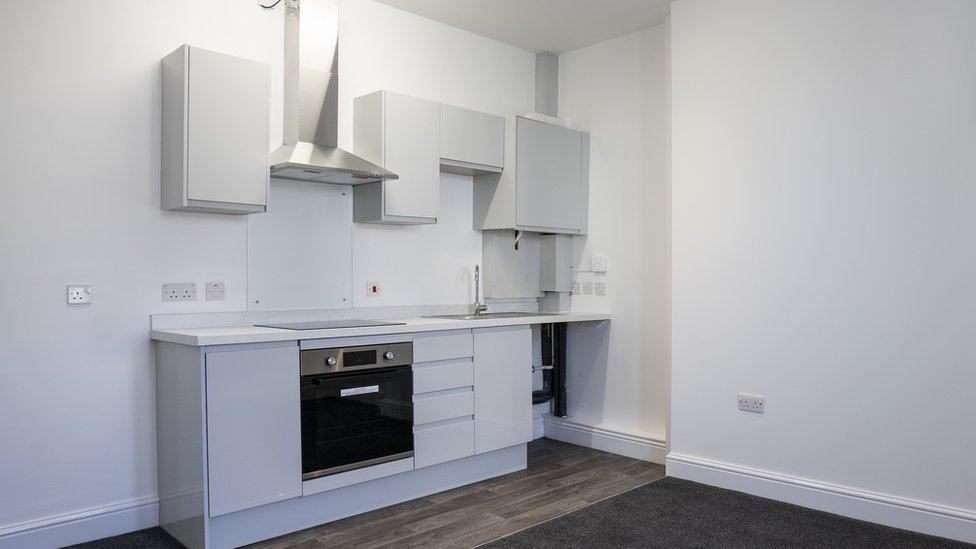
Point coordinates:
[[489, 316]]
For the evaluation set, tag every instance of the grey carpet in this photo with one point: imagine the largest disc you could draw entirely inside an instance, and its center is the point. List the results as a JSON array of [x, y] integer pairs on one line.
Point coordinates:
[[675, 513], [150, 538]]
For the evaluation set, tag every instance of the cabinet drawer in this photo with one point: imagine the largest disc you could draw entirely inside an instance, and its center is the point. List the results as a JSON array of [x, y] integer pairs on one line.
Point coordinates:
[[438, 376], [444, 405], [444, 442], [442, 346]]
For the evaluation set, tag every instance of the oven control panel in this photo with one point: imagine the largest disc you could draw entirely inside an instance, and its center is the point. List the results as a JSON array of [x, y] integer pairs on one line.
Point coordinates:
[[324, 361]]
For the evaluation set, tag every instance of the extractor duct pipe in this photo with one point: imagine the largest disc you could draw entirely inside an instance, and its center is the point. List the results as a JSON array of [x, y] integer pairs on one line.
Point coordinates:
[[547, 83]]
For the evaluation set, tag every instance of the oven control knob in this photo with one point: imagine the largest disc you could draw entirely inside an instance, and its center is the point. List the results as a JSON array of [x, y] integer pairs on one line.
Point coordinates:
[[331, 361], [388, 355]]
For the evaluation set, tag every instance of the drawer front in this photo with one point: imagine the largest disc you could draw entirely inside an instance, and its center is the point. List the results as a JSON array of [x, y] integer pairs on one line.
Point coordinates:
[[440, 443], [441, 406], [439, 376], [442, 346]]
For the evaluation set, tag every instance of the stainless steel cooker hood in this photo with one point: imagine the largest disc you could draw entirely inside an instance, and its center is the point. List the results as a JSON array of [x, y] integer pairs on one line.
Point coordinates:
[[311, 102]]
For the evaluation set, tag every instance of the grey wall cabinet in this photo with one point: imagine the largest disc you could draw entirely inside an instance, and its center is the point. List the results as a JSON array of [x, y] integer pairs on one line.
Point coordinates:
[[399, 133], [253, 427], [214, 154], [471, 142], [417, 139], [545, 184], [502, 387]]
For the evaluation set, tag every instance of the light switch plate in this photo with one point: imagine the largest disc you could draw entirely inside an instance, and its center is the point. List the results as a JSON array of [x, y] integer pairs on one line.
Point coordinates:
[[79, 294], [599, 263], [601, 287], [588, 287]]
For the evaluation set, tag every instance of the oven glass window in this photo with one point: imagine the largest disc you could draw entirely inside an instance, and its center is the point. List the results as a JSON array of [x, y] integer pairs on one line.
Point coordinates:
[[354, 419]]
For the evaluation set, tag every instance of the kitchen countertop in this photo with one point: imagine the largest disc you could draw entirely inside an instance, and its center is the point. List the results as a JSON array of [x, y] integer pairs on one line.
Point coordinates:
[[198, 337]]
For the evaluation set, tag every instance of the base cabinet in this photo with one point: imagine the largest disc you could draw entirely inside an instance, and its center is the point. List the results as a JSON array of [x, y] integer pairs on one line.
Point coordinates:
[[229, 451], [503, 387], [253, 428]]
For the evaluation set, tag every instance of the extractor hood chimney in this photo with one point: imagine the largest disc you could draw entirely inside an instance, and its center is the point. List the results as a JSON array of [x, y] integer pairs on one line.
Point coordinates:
[[311, 102]]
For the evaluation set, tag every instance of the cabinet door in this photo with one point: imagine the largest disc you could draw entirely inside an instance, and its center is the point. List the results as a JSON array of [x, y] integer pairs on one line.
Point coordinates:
[[227, 134], [410, 151], [472, 137], [548, 176], [253, 428], [502, 387]]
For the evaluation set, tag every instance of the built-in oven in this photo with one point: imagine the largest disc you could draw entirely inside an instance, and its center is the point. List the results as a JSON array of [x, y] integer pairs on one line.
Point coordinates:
[[357, 407]]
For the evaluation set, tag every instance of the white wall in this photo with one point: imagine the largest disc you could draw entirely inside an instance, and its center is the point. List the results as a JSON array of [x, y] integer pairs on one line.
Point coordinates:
[[617, 91], [80, 147], [823, 200], [80, 113]]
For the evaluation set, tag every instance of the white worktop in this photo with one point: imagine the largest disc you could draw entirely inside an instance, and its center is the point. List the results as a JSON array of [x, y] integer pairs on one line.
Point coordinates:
[[252, 334]]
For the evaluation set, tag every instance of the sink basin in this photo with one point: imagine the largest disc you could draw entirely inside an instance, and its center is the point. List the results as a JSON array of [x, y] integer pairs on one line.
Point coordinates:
[[488, 316]]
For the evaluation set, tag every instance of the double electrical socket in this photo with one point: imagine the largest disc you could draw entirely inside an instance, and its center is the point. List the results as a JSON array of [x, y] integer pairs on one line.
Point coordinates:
[[181, 291], [752, 403], [187, 291]]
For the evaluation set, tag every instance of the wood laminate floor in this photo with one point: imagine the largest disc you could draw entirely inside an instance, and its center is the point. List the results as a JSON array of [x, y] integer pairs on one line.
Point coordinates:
[[560, 478]]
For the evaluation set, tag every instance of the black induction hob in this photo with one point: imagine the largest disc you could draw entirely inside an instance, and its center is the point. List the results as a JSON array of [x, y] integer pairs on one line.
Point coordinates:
[[329, 324]]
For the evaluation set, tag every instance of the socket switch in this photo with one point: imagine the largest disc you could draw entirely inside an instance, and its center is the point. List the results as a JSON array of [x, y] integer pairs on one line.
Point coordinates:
[[215, 291], [588, 287], [601, 287], [373, 289], [79, 294], [182, 291], [752, 403]]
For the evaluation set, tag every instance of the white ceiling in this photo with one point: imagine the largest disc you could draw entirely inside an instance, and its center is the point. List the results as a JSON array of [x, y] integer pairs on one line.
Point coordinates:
[[542, 25]]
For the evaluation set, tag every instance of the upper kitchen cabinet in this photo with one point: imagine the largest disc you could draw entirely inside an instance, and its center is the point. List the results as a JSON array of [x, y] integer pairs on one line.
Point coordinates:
[[399, 133], [214, 132], [544, 187], [471, 142]]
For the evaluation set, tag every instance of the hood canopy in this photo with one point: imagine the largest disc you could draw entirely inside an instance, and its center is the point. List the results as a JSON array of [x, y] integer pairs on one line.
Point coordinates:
[[311, 102]]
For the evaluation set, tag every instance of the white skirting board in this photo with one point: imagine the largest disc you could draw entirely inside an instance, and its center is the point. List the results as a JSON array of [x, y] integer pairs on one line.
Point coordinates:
[[82, 526], [625, 443], [899, 512]]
